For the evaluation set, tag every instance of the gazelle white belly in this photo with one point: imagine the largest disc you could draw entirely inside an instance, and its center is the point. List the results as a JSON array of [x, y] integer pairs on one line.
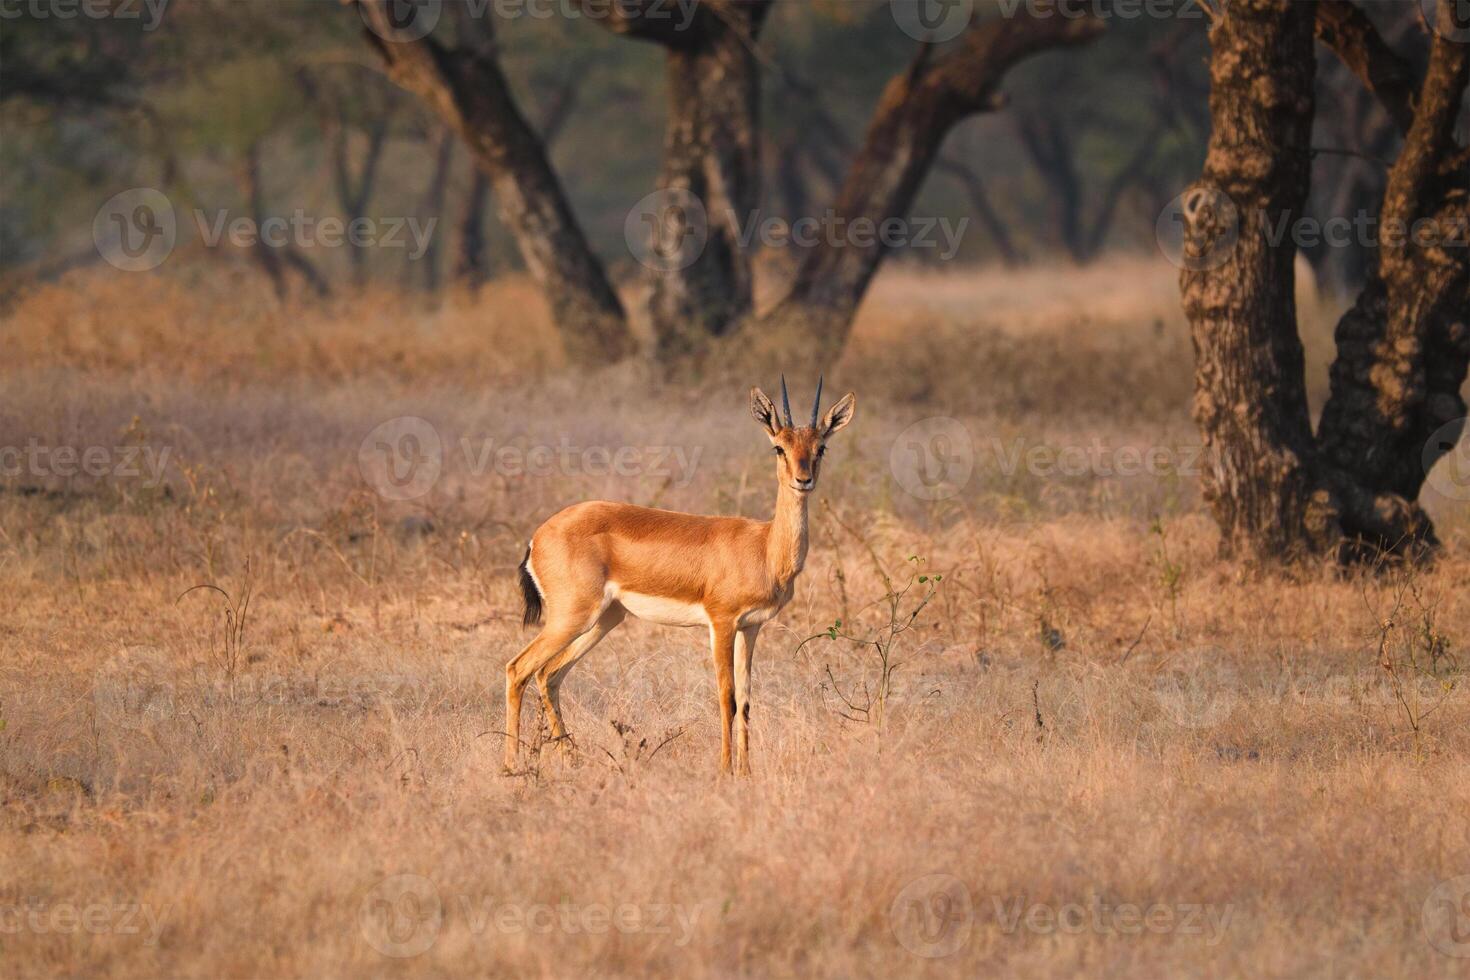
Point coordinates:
[[756, 616], [658, 609]]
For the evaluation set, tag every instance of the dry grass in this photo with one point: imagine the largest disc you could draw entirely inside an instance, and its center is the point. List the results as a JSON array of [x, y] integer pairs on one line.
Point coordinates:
[[1093, 714]]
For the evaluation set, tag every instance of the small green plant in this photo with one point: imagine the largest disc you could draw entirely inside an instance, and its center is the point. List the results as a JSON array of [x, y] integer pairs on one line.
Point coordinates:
[[896, 612], [1413, 654], [1171, 575]]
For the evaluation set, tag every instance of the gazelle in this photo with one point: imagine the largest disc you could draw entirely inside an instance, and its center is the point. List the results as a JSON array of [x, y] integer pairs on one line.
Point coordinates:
[[593, 563]]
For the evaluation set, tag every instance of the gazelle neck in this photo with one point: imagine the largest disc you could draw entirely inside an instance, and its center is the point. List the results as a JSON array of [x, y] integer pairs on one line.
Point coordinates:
[[786, 546]]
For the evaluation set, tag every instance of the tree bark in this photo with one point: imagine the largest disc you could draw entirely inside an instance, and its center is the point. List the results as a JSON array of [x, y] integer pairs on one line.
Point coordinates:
[[466, 88], [1403, 349], [1278, 491], [1250, 393], [915, 113], [702, 281], [1343, 27]]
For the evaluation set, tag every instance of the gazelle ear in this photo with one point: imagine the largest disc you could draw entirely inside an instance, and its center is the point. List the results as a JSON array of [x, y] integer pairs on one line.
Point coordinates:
[[764, 411], [840, 415]]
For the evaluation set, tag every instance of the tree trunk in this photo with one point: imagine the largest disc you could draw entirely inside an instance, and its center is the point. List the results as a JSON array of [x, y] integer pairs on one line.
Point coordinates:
[[264, 255], [710, 175], [471, 266], [272, 260], [1276, 491], [469, 92], [472, 269], [353, 191], [1250, 395], [711, 155], [1051, 151], [1403, 349], [915, 113], [433, 207]]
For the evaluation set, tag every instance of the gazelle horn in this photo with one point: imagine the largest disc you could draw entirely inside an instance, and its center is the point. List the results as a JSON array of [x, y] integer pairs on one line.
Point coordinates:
[[786, 403], [817, 405]]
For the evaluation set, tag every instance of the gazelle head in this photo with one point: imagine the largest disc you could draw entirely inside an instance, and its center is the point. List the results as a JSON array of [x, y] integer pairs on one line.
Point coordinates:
[[799, 449]]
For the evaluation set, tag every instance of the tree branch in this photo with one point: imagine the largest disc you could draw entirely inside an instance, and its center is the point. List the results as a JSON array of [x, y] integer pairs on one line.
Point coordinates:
[[467, 89], [915, 114], [1343, 27]]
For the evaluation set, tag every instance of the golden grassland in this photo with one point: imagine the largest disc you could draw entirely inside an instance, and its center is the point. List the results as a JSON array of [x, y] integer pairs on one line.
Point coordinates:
[[1100, 749]]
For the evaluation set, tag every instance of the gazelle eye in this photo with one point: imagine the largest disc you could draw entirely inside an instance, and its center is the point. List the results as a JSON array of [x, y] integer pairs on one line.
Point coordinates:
[[821, 451], [780, 451]]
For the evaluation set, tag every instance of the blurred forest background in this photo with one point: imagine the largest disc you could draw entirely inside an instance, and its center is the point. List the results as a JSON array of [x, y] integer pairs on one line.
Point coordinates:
[[273, 107]]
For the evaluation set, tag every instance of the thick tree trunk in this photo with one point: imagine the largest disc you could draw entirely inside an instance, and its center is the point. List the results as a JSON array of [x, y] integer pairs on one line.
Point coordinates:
[[711, 154], [710, 175], [915, 113], [1250, 394], [472, 266], [469, 92], [1403, 349]]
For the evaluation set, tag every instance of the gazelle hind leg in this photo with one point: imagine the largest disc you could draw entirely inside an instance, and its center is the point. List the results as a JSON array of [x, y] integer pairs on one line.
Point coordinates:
[[744, 652], [549, 678], [552, 640]]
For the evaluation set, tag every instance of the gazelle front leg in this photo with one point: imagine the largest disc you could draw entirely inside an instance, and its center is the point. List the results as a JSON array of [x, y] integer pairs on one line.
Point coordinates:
[[722, 644], [744, 651]]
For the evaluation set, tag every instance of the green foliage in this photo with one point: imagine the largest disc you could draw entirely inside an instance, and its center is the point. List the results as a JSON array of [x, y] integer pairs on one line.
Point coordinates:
[[891, 615]]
